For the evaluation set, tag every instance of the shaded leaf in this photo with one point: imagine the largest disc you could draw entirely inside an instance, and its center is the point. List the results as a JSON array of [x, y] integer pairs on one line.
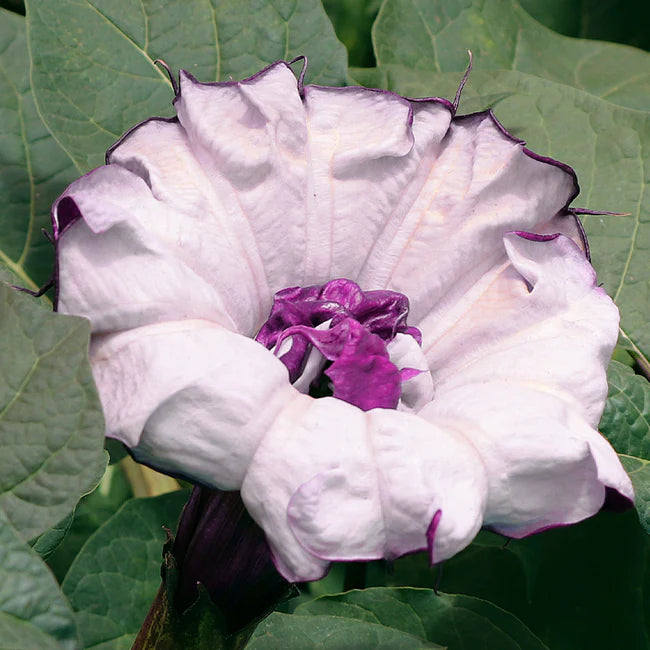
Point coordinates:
[[92, 511], [639, 471], [334, 632], [626, 420], [18, 635], [622, 21], [455, 621], [353, 21], [92, 60], [435, 36], [33, 168], [33, 611], [626, 424], [581, 586], [114, 579], [51, 424], [49, 541]]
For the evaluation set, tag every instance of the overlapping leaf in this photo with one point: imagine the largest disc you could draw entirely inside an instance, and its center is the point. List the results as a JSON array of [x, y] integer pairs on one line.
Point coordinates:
[[626, 423], [452, 621], [330, 632], [114, 579], [33, 611], [51, 425], [33, 168], [93, 69], [582, 586], [435, 36]]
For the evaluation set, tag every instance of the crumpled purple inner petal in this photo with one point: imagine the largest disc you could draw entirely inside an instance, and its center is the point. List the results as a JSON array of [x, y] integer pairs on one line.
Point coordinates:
[[361, 323]]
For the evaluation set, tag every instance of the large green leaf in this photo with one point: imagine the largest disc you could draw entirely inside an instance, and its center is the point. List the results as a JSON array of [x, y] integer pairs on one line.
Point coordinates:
[[33, 611], [607, 145], [51, 424], [436, 36], [92, 511], [33, 168], [453, 621], [92, 60], [582, 586], [114, 579]]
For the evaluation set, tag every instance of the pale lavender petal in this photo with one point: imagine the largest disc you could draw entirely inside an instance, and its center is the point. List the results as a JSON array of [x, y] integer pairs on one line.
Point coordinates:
[[331, 482], [185, 397], [479, 184], [521, 366]]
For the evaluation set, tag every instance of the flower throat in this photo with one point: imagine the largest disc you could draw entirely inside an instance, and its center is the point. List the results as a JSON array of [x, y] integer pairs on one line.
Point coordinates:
[[338, 332]]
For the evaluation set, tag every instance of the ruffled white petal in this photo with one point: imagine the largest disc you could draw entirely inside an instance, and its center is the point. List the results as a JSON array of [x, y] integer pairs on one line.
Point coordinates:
[[189, 397], [364, 150], [330, 482], [476, 185], [124, 265], [521, 368], [260, 185]]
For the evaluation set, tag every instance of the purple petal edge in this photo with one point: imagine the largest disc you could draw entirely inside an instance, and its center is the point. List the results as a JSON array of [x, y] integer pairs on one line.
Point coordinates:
[[532, 236], [531, 154]]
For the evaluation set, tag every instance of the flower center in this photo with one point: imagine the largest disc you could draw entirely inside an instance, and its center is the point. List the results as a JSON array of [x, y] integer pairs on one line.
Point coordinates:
[[358, 339]]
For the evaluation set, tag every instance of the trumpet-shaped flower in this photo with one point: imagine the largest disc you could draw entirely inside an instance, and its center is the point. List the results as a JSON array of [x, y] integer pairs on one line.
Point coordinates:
[[373, 317]]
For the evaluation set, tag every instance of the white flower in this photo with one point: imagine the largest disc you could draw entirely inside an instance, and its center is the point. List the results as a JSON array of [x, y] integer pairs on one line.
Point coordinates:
[[175, 249]]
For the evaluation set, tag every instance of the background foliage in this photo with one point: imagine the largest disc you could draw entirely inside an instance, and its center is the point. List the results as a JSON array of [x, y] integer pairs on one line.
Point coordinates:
[[80, 571]]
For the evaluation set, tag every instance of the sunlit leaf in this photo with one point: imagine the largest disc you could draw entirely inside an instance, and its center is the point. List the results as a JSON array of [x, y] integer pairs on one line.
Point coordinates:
[[51, 424], [435, 36], [33, 168], [93, 69]]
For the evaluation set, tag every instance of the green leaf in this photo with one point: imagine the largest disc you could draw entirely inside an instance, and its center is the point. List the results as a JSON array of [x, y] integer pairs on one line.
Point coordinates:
[[51, 424], [626, 424], [50, 540], [604, 20], [435, 36], [626, 420], [333, 632], [607, 145], [92, 511], [33, 168], [453, 621], [581, 586], [33, 611], [114, 579], [353, 23], [92, 60], [639, 471]]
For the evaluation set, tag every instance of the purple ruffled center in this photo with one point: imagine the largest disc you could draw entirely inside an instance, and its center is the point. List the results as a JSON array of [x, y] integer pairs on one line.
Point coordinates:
[[355, 327]]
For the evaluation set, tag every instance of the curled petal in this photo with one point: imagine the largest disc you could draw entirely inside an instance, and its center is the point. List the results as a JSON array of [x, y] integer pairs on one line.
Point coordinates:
[[417, 383]]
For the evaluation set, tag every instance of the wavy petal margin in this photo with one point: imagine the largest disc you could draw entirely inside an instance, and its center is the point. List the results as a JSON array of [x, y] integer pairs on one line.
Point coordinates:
[[175, 249]]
